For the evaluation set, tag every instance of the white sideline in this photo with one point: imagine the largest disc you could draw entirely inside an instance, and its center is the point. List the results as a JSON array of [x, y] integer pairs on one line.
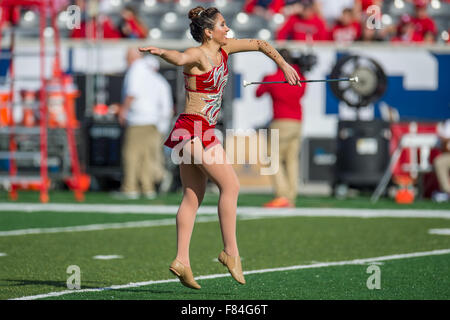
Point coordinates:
[[243, 210], [443, 231], [215, 276], [206, 214], [97, 227]]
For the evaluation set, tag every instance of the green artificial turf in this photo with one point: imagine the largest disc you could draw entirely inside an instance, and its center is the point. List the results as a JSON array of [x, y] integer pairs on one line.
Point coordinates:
[[36, 264]]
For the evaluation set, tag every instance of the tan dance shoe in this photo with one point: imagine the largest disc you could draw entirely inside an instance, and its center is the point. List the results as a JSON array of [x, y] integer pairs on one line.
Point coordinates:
[[184, 274], [234, 266]]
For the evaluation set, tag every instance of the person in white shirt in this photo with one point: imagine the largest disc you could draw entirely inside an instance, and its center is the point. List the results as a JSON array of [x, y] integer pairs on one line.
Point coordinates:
[[442, 163], [146, 113]]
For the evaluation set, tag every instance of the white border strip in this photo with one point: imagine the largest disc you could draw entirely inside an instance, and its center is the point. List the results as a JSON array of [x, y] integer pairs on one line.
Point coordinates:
[[215, 276], [244, 211], [443, 232], [97, 227]]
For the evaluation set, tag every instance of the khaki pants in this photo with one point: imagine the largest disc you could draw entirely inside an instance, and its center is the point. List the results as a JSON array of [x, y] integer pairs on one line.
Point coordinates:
[[442, 166], [285, 180], [141, 156]]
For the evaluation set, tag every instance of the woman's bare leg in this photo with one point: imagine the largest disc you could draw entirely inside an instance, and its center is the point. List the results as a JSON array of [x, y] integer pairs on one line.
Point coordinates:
[[194, 184], [214, 164], [217, 167]]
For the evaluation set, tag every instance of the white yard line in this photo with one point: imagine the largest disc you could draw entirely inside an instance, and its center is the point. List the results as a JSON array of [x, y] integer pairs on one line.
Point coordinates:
[[107, 257], [101, 226], [215, 276], [443, 231], [205, 214], [244, 211]]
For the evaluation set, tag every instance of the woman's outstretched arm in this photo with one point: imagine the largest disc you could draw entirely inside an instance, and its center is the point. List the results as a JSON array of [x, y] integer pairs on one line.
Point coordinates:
[[189, 57], [244, 45]]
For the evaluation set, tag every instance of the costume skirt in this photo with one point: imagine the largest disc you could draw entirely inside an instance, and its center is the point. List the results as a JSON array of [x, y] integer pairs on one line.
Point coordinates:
[[189, 126]]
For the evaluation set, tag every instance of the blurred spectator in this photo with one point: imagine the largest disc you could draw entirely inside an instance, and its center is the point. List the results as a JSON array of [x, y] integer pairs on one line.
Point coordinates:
[[362, 6], [371, 34], [429, 37], [93, 25], [306, 25], [331, 10], [263, 8], [442, 163], [424, 25], [287, 119], [406, 31], [346, 29], [146, 112], [131, 26], [10, 16], [292, 7]]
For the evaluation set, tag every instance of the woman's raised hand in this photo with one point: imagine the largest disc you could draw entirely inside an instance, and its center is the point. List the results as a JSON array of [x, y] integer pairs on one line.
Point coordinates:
[[152, 50], [291, 75]]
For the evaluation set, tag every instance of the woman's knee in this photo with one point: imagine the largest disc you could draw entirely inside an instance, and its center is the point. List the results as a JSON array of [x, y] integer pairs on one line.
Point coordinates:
[[231, 186], [192, 197]]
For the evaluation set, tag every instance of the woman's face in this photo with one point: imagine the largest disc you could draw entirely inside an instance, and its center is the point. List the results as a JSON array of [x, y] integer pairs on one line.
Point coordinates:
[[219, 33]]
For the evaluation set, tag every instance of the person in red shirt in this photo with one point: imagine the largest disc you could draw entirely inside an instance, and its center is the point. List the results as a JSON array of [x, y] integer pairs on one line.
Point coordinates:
[[131, 25], [263, 8], [9, 16], [406, 31], [361, 7], [88, 29], [287, 118], [346, 29], [424, 25], [364, 4], [89, 25], [304, 26]]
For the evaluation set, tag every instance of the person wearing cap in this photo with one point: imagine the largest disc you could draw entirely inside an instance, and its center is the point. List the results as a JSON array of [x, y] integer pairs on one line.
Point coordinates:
[[424, 25], [146, 112]]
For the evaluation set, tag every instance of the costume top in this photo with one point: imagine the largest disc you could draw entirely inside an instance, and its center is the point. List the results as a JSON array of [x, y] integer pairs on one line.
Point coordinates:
[[204, 92]]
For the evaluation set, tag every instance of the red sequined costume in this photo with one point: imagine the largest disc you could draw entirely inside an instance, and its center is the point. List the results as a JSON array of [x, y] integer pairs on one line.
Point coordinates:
[[202, 108]]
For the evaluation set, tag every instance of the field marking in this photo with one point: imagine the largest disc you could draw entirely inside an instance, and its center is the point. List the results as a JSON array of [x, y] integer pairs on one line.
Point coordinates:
[[242, 210], [222, 275], [107, 257], [98, 227], [445, 232], [206, 214], [2, 254]]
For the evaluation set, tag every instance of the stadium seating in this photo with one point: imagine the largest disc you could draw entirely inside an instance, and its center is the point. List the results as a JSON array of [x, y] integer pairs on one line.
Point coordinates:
[[170, 19], [396, 10], [172, 25], [152, 8], [247, 26]]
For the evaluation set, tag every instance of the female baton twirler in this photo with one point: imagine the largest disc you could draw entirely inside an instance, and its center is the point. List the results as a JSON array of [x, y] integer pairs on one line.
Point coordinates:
[[206, 73]]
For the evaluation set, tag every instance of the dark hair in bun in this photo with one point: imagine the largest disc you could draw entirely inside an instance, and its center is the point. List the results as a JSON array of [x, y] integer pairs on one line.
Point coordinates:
[[202, 19]]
